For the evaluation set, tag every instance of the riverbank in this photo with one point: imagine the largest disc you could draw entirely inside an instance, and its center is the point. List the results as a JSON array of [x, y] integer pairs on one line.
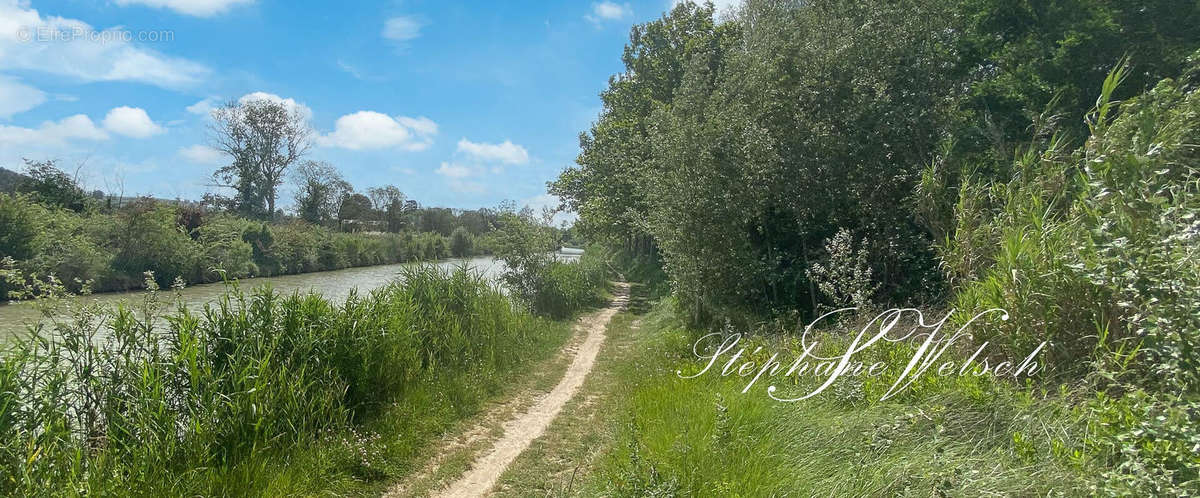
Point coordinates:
[[100, 250], [335, 285], [262, 394]]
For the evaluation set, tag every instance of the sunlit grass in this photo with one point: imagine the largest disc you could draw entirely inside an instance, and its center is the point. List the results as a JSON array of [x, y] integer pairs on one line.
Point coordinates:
[[703, 437], [260, 394]]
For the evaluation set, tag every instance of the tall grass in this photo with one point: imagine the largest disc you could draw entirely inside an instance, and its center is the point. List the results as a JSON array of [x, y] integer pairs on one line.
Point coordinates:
[[114, 401], [1096, 251], [953, 436]]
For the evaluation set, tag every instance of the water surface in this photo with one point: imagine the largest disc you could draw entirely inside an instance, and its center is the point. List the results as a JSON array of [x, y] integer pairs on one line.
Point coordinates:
[[335, 285]]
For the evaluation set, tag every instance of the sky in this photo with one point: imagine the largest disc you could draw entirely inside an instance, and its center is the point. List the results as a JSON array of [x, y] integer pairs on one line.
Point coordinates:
[[460, 104]]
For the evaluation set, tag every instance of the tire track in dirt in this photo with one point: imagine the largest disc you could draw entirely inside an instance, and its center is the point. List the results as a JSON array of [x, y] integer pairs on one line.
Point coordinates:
[[519, 432]]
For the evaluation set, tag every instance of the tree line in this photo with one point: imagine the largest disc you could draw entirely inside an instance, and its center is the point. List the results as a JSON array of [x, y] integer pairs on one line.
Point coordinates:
[[1038, 157], [266, 142], [741, 152], [52, 229]]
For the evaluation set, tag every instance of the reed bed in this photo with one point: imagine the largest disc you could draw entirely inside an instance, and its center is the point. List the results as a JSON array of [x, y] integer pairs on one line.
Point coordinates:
[[159, 399]]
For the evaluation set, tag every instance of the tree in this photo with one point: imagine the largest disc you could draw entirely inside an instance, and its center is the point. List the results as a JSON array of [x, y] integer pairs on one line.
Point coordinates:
[[384, 197], [320, 190], [1024, 58], [262, 138], [737, 148], [608, 187], [355, 209], [460, 242], [526, 244], [389, 203], [51, 186], [479, 221], [18, 226], [440, 220]]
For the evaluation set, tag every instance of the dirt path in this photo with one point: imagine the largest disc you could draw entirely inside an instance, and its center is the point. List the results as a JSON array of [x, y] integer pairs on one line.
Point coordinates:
[[520, 431]]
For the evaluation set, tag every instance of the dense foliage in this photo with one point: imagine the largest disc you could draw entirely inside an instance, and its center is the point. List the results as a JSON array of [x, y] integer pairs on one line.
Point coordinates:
[[142, 401], [800, 155], [1097, 251], [101, 251], [741, 149], [538, 276]]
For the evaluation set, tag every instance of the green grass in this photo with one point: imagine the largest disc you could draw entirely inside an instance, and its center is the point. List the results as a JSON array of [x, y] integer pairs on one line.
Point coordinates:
[[554, 464], [637, 429], [261, 394]]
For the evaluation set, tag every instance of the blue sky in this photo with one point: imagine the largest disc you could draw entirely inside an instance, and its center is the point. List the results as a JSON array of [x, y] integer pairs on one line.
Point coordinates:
[[460, 104]]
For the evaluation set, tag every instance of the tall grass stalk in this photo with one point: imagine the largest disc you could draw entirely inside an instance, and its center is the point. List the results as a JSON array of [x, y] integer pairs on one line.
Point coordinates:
[[150, 402]]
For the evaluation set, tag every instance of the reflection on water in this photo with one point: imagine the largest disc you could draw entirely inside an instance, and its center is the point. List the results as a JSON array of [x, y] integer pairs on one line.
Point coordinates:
[[334, 285]]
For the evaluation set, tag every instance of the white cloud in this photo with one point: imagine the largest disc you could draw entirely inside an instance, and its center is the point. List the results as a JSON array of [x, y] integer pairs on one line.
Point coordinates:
[[421, 125], [52, 133], [374, 130], [17, 97], [72, 48], [202, 154], [452, 170], [402, 28], [290, 103], [203, 107], [131, 122], [198, 8], [507, 152], [608, 11]]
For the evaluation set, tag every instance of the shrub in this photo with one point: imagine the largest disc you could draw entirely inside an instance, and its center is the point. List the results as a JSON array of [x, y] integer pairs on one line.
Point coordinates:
[[569, 287], [461, 242], [66, 246], [114, 250], [18, 226], [262, 244], [226, 253], [1097, 252], [297, 247], [843, 276], [534, 275], [146, 238]]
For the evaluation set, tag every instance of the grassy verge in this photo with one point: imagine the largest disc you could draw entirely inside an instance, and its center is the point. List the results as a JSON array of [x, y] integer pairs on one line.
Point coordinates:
[[639, 430], [448, 460], [555, 463], [367, 459], [261, 394]]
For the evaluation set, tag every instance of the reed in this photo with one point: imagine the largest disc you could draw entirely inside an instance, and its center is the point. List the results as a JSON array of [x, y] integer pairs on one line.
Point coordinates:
[[158, 399]]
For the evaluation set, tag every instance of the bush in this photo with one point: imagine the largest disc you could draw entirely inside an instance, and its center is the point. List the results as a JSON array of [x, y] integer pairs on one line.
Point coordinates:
[[18, 226], [569, 287], [66, 246], [843, 276], [146, 238], [534, 275], [1097, 252], [297, 247], [461, 243], [113, 251], [262, 240], [226, 252]]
